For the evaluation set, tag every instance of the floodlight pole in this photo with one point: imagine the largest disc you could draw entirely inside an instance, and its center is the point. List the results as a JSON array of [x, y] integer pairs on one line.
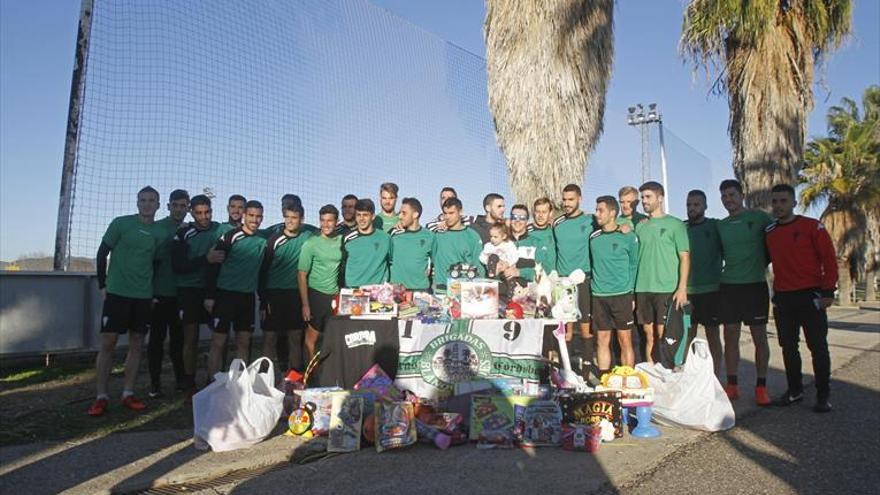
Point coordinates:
[[663, 166], [74, 117]]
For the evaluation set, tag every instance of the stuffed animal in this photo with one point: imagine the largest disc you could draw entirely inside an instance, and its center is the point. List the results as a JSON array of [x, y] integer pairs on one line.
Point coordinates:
[[543, 291]]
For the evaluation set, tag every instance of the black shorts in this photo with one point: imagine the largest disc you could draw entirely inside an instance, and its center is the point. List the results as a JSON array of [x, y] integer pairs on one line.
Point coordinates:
[[748, 304], [613, 312], [321, 307], [121, 314], [706, 308], [191, 303], [283, 310], [234, 311], [652, 307], [584, 297]]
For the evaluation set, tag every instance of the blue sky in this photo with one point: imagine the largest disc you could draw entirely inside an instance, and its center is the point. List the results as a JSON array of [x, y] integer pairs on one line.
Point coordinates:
[[36, 55]]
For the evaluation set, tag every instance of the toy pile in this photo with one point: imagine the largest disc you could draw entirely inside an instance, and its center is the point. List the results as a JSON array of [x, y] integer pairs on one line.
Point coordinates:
[[492, 413]]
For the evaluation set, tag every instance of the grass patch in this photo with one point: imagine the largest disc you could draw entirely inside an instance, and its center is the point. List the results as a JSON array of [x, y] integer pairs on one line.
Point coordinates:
[[13, 379], [69, 422]]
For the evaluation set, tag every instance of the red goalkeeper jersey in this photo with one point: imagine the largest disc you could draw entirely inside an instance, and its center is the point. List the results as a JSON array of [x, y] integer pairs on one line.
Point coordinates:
[[802, 255]]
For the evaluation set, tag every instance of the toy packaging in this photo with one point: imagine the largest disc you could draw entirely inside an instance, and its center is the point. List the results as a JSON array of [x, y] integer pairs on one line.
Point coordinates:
[[541, 424], [632, 383], [594, 408], [473, 299], [395, 425], [494, 413], [580, 438], [319, 401], [352, 302], [346, 419], [377, 383]]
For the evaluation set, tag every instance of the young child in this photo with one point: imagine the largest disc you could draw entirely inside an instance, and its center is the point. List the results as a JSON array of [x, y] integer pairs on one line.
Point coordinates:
[[500, 252]]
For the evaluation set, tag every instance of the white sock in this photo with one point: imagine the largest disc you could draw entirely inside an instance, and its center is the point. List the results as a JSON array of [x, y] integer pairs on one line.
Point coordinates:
[[127, 393], [103, 396]]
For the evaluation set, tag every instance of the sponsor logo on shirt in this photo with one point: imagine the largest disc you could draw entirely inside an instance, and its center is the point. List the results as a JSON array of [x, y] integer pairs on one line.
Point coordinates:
[[360, 338]]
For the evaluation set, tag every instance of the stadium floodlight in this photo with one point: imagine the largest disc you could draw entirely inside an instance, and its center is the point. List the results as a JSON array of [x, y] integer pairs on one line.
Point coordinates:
[[638, 117]]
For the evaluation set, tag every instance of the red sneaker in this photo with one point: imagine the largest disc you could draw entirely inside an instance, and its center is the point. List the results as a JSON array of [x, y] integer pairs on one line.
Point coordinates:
[[98, 407], [133, 403], [732, 391], [762, 398]]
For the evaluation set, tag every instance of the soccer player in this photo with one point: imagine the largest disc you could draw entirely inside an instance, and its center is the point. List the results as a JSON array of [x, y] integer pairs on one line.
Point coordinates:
[[279, 288], [745, 298], [615, 262], [705, 273], [127, 288], [318, 274], [527, 246], [664, 266], [572, 232], [191, 254], [166, 321], [629, 202], [231, 286], [348, 223], [288, 200], [493, 208], [387, 219], [804, 278], [411, 246], [438, 224], [235, 210], [456, 244], [541, 231], [365, 251]]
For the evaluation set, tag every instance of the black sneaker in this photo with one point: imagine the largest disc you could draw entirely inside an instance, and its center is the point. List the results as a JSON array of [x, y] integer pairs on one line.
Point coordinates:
[[788, 399], [822, 406], [155, 392]]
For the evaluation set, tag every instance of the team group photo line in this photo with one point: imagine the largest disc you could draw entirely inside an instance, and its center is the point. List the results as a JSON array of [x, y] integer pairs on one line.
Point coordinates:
[[168, 277]]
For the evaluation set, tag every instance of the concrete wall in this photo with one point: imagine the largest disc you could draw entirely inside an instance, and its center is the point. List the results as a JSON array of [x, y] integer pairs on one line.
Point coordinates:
[[44, 312]]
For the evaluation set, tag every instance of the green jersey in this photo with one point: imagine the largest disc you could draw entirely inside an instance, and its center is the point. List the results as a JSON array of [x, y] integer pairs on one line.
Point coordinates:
[[164, 282], [280, 268], [705, 274], [527, 248], [742, 241], [366, 257], [320, 258], [455, 246], [133, 246], [191, 245], [240, 270], [660, 241], [572, 235], [545, 246], [411, 257], [226, 227], [615, 262], [632, 220], [385, 222]]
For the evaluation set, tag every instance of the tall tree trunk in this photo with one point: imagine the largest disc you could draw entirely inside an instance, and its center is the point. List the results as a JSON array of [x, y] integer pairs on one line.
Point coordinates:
[[549, 64], [770, 96], [870, 284], [844, 282]]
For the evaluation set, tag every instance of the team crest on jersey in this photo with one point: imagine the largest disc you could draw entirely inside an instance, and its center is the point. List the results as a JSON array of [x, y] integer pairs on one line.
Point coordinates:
[[796, 235], [453, 358], [422, 242], [375, 246], [662, 231], [750, 224], [614, 246]]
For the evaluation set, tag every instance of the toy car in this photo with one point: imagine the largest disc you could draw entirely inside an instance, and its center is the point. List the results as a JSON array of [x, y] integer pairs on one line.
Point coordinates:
[[462, 270]]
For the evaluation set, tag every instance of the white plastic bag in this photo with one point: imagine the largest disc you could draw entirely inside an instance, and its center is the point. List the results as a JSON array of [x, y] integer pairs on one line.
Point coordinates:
[[691, 398], [239, 409]]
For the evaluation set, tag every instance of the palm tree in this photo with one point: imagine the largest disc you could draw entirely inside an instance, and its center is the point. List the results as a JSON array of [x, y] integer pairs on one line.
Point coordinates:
[[843, 171], [549, 63], [763, 54]]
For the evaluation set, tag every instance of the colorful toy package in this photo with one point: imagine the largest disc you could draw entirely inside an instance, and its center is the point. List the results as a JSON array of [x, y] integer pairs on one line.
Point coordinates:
[[580, 438], [592, 409], [473, 299], [319, 401], [376, 384], [495, 414], [395, 425], [541, 424], [346, 419]]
